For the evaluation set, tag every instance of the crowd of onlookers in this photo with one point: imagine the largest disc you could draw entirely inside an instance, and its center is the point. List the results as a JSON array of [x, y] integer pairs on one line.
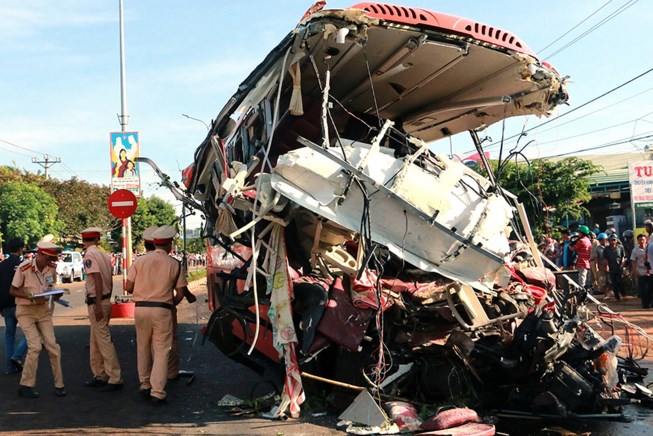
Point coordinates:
[[27, 255], [193, 259], [603, 262]]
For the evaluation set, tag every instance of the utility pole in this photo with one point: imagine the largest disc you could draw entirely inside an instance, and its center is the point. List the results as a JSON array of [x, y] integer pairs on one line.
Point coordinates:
[[124, 119], [46, 163]]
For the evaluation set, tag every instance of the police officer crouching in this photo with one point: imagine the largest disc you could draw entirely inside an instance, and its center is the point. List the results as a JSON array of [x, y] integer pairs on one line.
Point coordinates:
[[99, 286], [35, 276], [158, 285]]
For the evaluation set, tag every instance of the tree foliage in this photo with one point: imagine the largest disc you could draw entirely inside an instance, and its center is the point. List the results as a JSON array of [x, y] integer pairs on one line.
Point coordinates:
[[81, 205], [549, 190], [196, 245], [76, 205], [152, 211], [27, 212]]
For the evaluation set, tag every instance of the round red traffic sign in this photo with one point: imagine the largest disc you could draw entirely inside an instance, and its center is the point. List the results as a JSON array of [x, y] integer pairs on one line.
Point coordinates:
[[122, 203]]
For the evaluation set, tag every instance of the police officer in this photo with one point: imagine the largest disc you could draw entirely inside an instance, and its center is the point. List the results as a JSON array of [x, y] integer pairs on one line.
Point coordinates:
[[157, 284], [148, 240], [173, 357], [99, 286], [33, 277]]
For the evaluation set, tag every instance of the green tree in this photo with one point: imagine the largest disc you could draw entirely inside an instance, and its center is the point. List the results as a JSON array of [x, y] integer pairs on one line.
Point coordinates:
[[81, 205], [152, 211], [196, 245], [8, 174], [27, 212], [560, 187]]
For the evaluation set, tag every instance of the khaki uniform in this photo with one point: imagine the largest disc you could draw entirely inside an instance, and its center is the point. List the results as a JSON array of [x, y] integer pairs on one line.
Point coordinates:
[[103, 357], [173, 356], [154, 277], [35, 318]]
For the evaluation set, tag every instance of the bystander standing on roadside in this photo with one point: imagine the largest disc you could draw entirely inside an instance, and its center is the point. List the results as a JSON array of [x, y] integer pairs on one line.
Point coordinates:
[[614, 254], [648, 226], [629, 243], [639, 270], [34, 276], [582, 247], [601, 265], [14, 352], [564, 261], [591, 280], [551, 250]]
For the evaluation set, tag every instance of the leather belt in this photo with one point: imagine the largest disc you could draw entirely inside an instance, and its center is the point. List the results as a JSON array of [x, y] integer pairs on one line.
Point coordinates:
[[154, 304], [91, 300]]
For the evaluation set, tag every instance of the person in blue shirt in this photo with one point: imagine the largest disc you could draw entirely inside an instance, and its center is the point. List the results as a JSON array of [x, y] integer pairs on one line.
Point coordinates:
[[564, 244], [568, 255]]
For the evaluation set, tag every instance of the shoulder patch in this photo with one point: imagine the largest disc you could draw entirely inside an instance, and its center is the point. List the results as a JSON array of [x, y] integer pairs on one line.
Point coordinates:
[[26, 267], [88, 263]]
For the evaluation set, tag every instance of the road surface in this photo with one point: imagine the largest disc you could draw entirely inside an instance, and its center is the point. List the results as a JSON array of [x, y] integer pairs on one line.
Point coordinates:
[[191, 409]]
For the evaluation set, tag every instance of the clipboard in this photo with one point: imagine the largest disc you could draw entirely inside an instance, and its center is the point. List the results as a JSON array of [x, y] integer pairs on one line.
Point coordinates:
[[51, 293]]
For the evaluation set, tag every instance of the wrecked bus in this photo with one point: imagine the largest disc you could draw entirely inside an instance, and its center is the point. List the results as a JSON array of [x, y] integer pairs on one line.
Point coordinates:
[[344, 243]]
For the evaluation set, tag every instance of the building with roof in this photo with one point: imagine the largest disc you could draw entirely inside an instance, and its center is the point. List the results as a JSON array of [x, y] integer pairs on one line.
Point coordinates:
[[610, 190]]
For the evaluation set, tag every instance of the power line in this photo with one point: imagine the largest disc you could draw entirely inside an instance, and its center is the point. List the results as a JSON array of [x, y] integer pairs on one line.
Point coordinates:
[[635, 120], [611, 105], [597, 130], [15, 152], [605, 145], [20, 146], [45, 155], [67, 168], [576, 26], [574, 109], [593, 28]]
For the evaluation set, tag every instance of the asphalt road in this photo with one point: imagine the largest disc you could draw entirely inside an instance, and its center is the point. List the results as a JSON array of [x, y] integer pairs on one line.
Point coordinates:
[[191, 409]]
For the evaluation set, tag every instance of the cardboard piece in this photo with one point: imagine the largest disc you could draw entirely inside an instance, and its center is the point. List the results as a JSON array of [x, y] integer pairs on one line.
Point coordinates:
[[364, 410]]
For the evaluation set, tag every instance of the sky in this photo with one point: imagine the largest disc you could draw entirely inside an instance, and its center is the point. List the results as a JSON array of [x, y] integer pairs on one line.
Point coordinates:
[[60, 75]]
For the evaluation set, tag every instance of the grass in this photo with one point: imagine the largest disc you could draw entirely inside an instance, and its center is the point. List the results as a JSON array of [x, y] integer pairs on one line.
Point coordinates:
[[197, 274]]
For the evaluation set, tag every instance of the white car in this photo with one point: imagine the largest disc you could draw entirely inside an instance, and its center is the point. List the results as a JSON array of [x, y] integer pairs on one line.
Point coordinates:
[[70, 266]]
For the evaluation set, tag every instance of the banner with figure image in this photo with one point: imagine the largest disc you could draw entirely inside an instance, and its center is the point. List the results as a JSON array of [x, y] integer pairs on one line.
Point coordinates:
[[124, 168]]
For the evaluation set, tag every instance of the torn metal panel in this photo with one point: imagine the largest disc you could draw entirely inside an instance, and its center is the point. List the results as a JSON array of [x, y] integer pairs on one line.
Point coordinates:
[[317, 182]]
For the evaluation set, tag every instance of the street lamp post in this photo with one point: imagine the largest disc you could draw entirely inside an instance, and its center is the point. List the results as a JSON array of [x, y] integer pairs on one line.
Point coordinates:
[[183, 206], [196, 119]]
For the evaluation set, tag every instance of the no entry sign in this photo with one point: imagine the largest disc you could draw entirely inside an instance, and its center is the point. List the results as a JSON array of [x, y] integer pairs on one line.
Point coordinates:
[[122, 203]]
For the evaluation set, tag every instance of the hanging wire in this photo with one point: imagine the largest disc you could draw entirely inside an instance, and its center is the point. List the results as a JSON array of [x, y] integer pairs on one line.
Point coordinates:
[[610, 17], [575, 27], [558, 117]]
